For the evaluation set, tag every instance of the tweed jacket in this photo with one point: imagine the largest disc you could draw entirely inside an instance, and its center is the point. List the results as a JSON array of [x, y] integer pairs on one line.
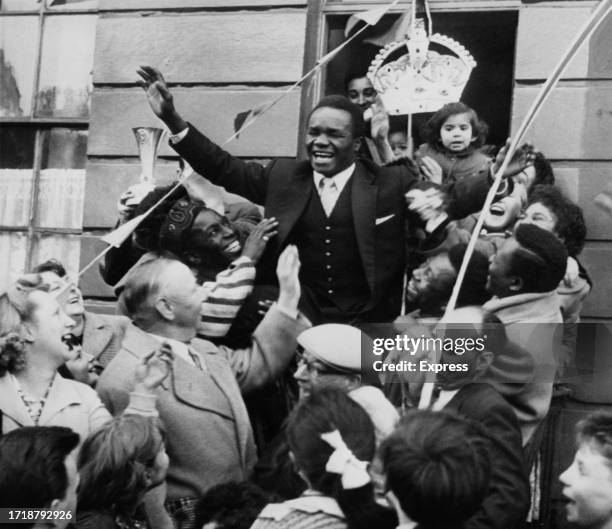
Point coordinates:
[[378, 204], [187, 412], [102, 335], [70, 403]]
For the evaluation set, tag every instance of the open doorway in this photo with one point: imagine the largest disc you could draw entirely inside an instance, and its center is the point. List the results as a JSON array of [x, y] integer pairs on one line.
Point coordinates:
[[490, 38]]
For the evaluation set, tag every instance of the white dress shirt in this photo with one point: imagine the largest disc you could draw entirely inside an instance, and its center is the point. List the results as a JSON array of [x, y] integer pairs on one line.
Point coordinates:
[[444, 398], [340, 179]]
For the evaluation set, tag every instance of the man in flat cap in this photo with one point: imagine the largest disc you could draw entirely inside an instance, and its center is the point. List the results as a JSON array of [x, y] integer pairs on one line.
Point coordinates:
[[331, 357]]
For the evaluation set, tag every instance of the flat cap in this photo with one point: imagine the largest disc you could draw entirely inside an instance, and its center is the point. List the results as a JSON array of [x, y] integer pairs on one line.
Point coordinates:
[[336, 345]]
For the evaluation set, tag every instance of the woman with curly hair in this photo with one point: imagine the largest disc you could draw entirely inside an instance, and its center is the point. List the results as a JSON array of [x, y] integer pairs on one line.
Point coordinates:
[[118, 464], [549, 209], [32, 348]]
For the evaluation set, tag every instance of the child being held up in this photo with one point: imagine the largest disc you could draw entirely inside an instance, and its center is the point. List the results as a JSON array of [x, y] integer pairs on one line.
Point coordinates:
[[453, 135]]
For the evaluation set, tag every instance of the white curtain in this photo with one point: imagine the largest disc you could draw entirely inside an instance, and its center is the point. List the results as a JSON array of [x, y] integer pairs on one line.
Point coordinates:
[[12, 257], [15, 191], [60, 201], [60, 205], [64, 248]]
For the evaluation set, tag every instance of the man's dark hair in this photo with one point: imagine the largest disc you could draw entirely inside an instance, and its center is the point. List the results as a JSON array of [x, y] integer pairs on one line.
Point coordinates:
[[50, 265], [540, 261], [570, 225], [596, 428], [32, 466], [437, 464], [358, 68], [231, 505], [342, 103]]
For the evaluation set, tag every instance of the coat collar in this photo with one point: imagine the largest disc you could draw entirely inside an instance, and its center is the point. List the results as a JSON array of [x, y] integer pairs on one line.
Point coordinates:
[[186, 379], [97, 334], [63, 393], [529, 307]]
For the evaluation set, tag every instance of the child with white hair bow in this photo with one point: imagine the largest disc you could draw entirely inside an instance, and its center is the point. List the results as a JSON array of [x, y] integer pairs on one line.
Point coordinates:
[[331, 441]]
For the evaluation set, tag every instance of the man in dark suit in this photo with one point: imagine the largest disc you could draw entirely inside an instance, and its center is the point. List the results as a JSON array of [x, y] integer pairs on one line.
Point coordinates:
[[464, 389], [210, 440], [347, 216]]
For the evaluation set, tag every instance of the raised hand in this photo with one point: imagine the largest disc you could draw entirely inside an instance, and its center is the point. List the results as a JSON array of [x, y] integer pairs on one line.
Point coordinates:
[[256, 242], [129, 200], [380, 120], [160, 99], [154, 368], [429, 203], [522, 157], [430, 169], [287, 271]]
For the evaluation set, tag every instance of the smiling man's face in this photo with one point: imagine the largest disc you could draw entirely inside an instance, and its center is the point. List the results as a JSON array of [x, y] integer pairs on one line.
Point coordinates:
[[330, 142]]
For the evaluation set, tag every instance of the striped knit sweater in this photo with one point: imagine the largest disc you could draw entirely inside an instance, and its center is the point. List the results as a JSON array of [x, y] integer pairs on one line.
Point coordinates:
[[225, 296], [309, 511]]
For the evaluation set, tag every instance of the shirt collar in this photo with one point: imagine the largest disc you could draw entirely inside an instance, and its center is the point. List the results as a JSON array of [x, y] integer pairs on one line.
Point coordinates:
[[446, 395], [178, 348], [340, 178]]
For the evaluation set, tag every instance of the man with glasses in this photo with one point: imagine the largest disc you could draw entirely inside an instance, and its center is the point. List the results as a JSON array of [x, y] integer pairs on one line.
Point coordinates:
[[336, 356]]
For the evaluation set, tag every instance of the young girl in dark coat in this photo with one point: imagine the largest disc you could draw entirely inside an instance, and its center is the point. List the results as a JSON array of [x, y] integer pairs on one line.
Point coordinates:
[[453, 135]]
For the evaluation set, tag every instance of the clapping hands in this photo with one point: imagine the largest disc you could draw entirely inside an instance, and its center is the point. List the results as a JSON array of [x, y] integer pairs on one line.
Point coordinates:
[[154, 368]]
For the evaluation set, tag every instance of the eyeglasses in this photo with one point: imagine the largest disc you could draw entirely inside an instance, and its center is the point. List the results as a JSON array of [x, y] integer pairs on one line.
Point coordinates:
[[315, 367]]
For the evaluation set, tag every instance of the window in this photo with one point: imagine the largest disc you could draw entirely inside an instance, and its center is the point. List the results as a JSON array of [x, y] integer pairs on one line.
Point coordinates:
[[490, 38], [46, 59]]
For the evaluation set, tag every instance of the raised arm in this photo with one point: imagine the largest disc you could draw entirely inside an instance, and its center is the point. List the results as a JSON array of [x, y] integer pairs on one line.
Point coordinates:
[[274, 339], [208, 159]]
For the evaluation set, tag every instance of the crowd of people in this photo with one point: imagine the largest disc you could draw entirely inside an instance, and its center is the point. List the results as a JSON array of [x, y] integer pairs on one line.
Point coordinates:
[[256, 373]]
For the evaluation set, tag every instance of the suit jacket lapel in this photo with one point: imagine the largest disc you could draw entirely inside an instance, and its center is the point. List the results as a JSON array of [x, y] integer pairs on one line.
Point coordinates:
[[363, 202], [291, 201], [187, 383], [223, 376], [96, 334]]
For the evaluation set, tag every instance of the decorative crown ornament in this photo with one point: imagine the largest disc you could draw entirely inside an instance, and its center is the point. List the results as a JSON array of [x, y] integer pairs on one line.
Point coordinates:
[[422, 79]]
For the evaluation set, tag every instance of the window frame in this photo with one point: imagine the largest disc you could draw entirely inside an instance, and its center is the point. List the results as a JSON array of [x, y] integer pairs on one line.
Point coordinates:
[[42, 127], [317, 30]]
